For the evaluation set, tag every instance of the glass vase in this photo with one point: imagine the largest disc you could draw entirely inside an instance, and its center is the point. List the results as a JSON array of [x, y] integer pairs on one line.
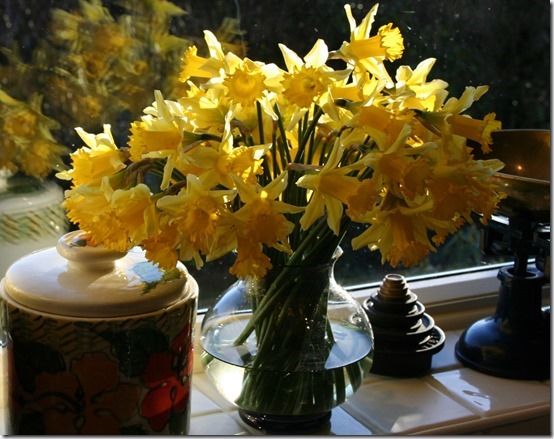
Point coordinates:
[[288, 348]]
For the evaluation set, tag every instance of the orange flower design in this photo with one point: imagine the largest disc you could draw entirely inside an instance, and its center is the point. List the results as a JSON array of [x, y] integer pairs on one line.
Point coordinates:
[[167, 375], [88, 399]]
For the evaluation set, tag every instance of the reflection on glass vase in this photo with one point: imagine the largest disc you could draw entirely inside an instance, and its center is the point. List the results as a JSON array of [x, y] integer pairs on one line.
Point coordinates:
[[31, 216], [288, 348]]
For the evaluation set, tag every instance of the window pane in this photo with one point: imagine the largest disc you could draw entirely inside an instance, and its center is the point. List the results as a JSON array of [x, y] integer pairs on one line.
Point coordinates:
[[93, 66]]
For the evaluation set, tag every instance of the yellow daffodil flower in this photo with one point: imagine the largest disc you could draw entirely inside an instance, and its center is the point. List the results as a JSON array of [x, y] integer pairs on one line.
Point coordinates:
[[226, 160], [136, 210], [401, 236], [245, 85], [476, 129], [368, 53], [197, 66], [307, 80], [330, 188], [462, 187], [158, 134], [195, 212], [261, 222], [382, 125], [99, 158], [118, 219], [251, 261], [303, 148], [450, 120], [162, 244], [415, 92], [90, 207]]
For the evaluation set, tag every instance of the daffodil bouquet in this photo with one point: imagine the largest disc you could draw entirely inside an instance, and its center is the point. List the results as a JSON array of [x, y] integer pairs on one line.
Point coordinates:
[[274, 163]]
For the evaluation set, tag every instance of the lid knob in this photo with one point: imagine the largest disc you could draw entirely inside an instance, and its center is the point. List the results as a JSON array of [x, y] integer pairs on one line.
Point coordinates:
[[74, 246]]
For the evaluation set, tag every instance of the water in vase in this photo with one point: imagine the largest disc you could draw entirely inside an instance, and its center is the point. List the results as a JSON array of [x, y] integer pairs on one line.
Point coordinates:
[[272, 390]]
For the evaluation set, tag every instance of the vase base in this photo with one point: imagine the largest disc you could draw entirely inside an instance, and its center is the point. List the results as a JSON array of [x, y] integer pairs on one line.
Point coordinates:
[[287, 424]]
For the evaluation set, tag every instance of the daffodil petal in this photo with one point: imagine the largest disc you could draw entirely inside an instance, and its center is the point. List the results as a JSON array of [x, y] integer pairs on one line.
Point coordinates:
[[318, 55], [292, 60], [334, 214], [314, 210]]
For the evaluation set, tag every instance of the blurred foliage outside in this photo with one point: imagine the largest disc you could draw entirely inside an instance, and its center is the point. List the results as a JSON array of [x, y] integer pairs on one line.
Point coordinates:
[[502, 43]]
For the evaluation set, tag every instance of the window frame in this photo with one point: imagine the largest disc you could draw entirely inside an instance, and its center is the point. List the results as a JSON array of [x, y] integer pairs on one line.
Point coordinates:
[[444, 286], [441, 289]]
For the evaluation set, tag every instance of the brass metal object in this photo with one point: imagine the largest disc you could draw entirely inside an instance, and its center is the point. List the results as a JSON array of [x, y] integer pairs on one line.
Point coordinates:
[[406, 337], [525, 177], [514, 342]]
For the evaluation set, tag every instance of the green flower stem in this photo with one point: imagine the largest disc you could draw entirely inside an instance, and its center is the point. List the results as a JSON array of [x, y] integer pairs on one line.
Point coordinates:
[[260, 122], [271, 295], [318, 112], [274, 155], [325, 246], [284, 146]]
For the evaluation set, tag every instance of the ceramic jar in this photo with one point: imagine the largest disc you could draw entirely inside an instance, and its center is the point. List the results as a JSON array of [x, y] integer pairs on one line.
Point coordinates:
[[98, 342], [31, 216]]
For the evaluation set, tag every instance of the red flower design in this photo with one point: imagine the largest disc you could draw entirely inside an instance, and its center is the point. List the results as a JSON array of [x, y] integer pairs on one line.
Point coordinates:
[[167, 375]]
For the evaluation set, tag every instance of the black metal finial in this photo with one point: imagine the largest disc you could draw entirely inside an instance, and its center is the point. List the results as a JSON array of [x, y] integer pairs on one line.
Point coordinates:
[[405, 336]]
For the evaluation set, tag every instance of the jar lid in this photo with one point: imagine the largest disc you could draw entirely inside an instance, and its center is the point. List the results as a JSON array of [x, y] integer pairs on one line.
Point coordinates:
[[78, 280]]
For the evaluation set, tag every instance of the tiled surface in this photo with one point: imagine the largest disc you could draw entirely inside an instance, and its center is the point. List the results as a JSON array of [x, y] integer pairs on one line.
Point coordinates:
[[488, 395], [404, 406], [201, 404], [445, 359], [205, 394], [216, 424], [344, 424], [204, 385], [341, 424], [450, 400]]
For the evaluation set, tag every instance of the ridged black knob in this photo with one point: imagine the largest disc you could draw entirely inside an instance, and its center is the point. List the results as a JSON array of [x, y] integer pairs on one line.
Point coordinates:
[[406, 337]]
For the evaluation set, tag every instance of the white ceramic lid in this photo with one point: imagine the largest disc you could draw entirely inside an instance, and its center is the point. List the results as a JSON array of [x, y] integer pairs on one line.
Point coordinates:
[[78, 280]]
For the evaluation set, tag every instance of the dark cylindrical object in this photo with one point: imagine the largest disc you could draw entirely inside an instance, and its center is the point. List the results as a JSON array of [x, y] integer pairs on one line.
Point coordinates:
[[405, 336], [515, 341]]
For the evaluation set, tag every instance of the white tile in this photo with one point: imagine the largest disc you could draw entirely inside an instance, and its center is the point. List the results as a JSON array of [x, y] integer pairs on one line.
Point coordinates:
[[216, 424], [445, 359], [403, 405], [343, 424], [206, 399], [205, 386], [200, 404], [489, 395]]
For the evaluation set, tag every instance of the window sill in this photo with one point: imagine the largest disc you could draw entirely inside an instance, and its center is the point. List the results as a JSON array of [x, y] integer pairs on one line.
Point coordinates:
[[451, 399]]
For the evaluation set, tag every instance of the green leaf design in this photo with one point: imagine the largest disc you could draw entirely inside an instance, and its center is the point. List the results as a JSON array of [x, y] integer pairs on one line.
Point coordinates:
[[133, 347], [32, 358]]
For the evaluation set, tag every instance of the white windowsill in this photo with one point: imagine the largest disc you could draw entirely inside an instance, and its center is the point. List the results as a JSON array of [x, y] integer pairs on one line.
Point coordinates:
[[451, 399]]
